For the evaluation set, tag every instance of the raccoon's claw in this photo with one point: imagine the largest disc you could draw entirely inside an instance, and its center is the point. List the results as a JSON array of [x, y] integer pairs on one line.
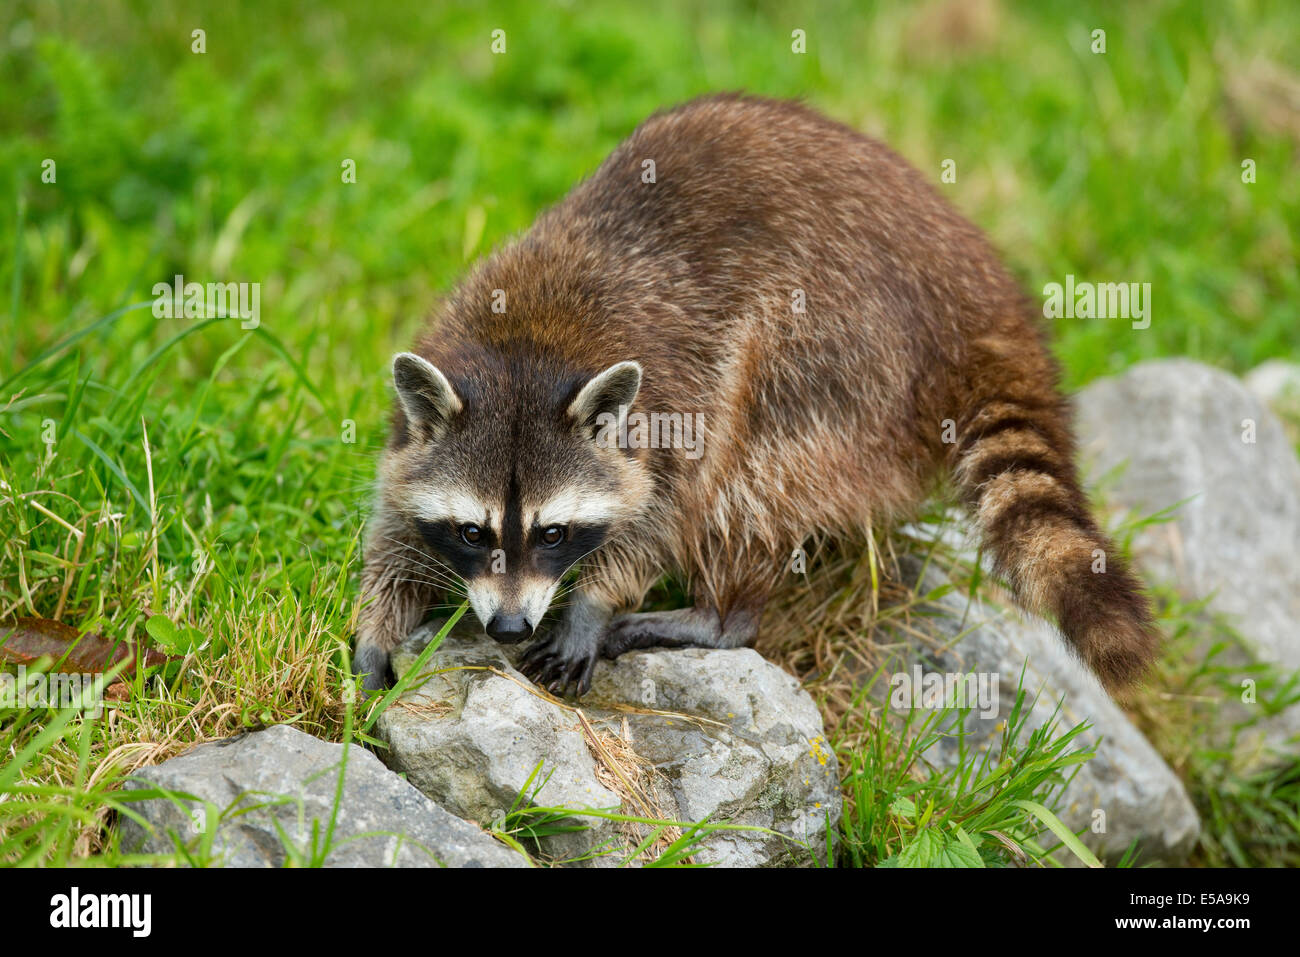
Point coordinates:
[[555, 667], [534, 655]]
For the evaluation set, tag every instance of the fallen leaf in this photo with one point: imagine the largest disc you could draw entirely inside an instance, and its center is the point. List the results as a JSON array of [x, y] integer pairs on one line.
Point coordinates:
[[24, 640]]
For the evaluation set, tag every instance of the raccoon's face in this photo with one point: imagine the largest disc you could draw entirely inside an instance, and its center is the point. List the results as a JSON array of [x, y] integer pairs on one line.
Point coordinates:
[[505, 477]]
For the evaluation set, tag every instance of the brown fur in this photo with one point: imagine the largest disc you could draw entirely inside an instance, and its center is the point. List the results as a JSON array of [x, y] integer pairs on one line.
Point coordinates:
[[821, 423]]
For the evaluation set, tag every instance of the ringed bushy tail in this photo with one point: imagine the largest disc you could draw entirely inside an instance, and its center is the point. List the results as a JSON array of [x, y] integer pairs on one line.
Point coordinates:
[[1014, 466]]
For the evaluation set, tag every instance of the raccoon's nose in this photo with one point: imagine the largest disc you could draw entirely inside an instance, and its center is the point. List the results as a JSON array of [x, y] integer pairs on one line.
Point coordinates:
[[509, 629]]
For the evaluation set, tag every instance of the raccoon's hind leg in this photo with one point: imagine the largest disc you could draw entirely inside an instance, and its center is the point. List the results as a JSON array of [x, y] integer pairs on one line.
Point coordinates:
[[731, 580], [698, 627]]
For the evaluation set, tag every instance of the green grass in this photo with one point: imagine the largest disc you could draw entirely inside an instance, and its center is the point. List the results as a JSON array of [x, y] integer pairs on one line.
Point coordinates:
[[993, 808], [217, 477], [1249, 807]]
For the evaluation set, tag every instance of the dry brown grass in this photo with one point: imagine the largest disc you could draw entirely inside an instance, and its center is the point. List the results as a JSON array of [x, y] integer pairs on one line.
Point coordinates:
[[635, 780], [839, 624]]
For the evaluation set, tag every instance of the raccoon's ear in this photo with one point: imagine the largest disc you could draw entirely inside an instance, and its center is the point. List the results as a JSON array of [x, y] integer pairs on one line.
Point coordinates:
[[609, 393], [427, 397]]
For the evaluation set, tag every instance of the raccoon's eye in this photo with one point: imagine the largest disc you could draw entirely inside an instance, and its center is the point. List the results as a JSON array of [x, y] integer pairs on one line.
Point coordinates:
[[471, 535], [553, 535]]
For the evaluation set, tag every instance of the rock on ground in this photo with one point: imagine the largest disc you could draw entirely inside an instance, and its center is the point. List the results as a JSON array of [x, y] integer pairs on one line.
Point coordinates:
[[286, 782], [758, 757], [1125, 792], [1181, 432], [672, 735], [474, 739], [1276, 383]]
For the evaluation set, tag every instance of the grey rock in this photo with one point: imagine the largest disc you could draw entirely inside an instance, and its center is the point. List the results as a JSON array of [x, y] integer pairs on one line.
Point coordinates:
[[1177, 432], [274, 786], [1276, 383], [719, 734], [762, 760], [472, 738], [1136, 792]]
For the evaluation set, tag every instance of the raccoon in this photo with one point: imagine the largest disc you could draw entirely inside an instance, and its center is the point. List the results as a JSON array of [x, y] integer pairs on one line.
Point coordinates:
[[845, 343]]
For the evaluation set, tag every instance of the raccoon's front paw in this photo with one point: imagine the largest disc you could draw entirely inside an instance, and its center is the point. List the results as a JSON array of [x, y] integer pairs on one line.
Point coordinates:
[[371, 664], [557, 662]]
